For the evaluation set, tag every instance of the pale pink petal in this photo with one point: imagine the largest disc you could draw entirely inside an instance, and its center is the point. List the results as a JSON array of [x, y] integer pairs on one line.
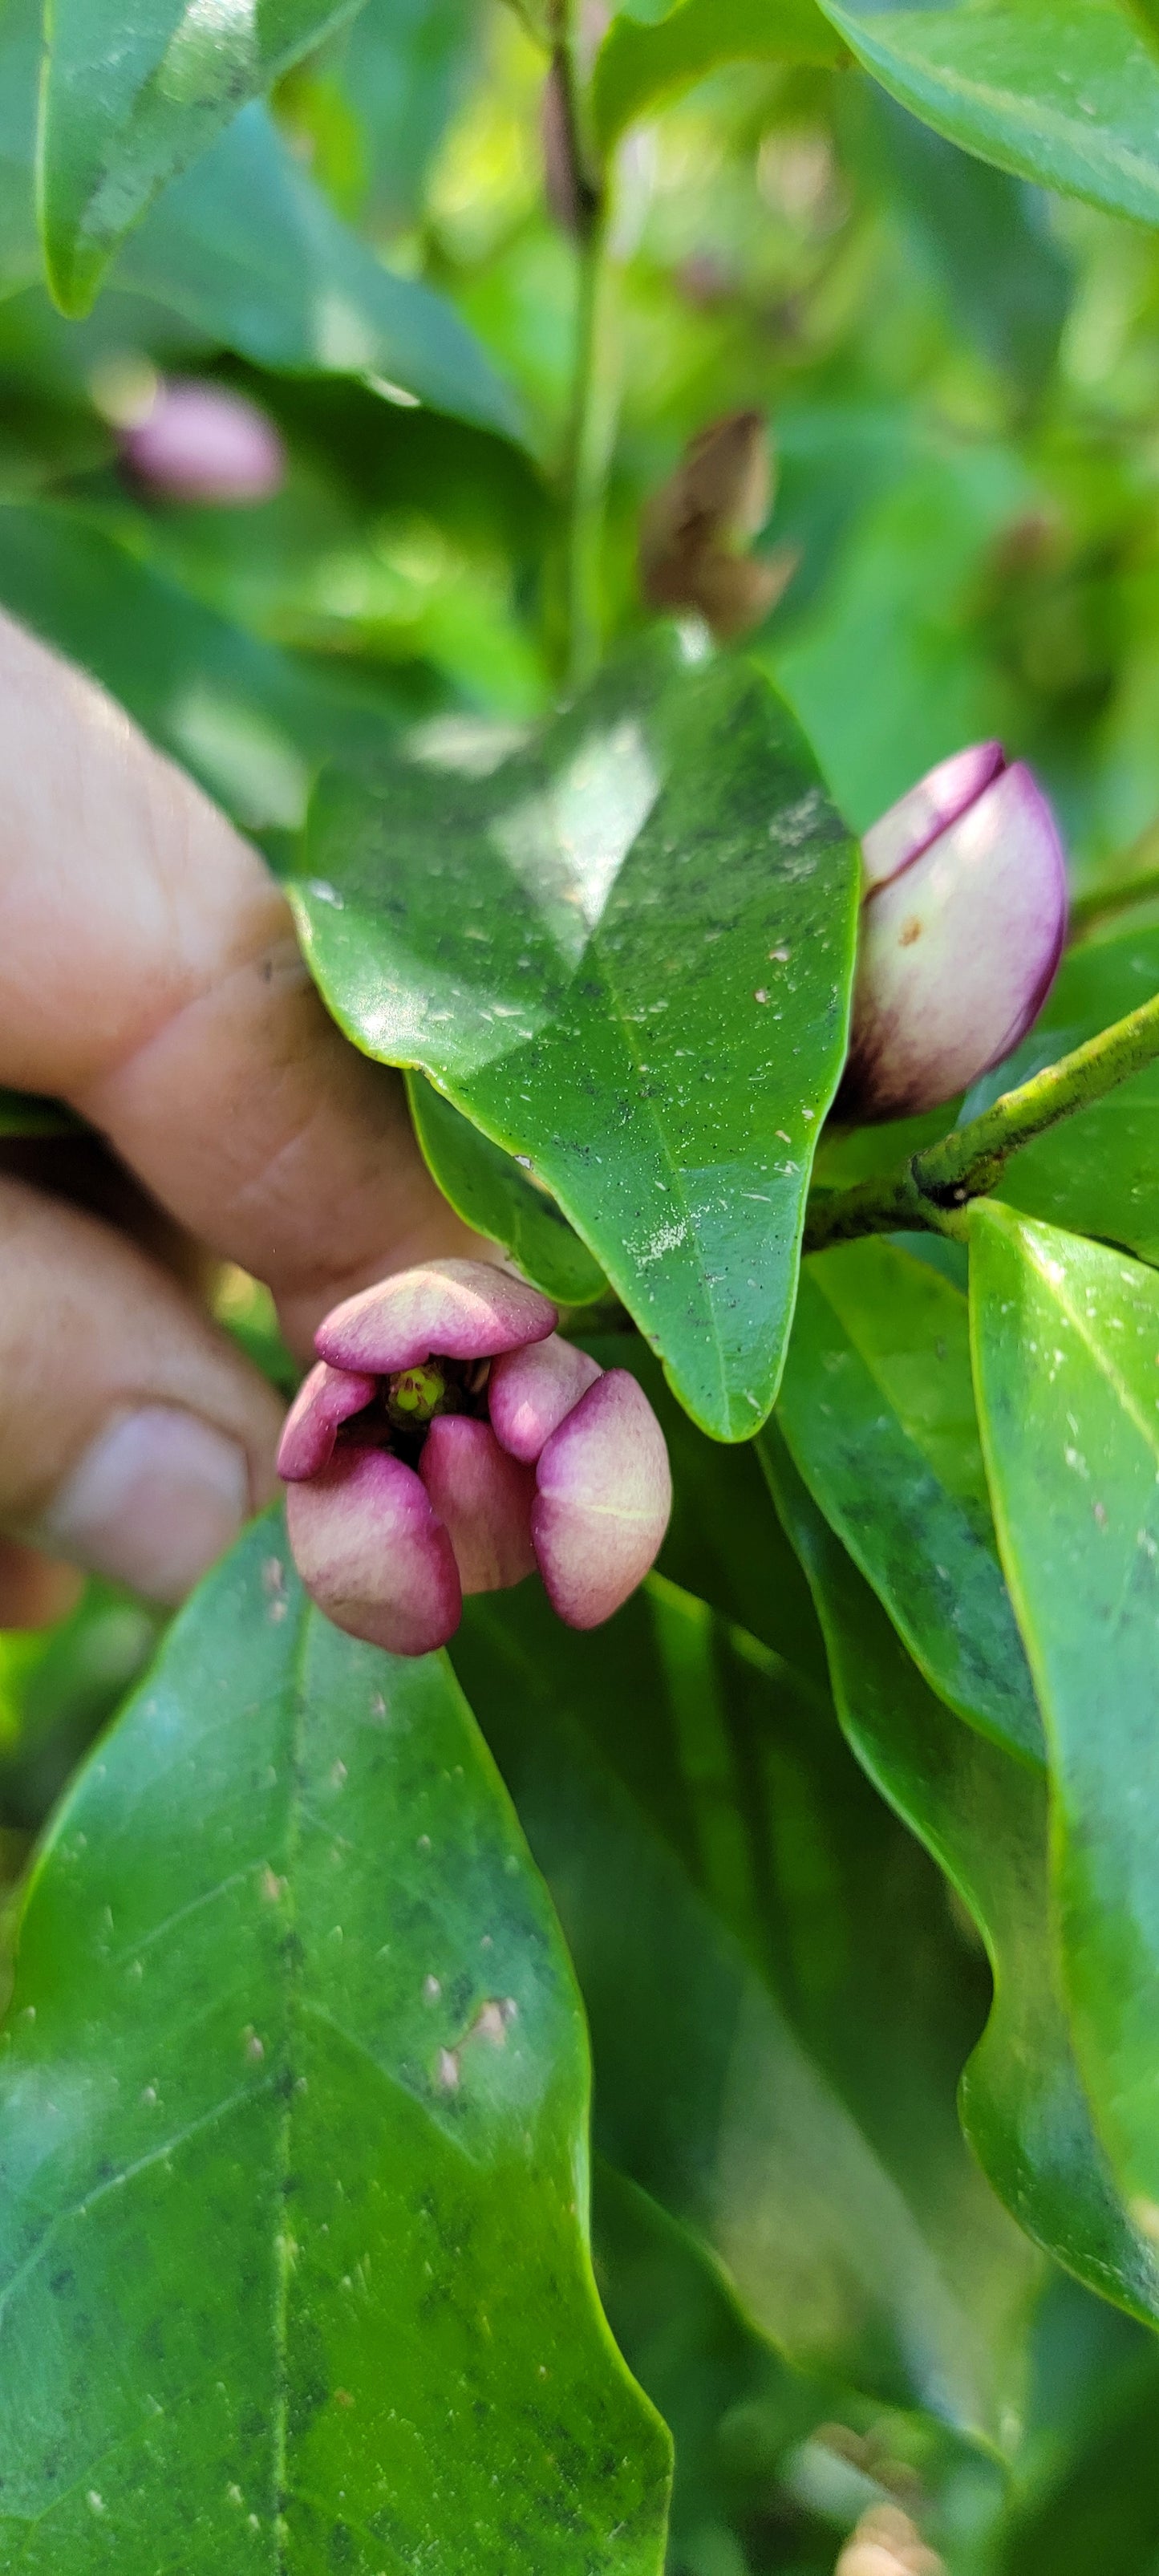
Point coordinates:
[[604, 1493], [464, 1310], [483, 1498], [328, 1397], [372, 1553], [957, 954], [529, 1392], [205, 442], [907, 828]]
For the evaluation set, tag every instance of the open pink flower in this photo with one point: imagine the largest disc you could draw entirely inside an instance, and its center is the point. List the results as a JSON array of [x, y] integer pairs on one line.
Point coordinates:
[[448, 1442], [962, 925]]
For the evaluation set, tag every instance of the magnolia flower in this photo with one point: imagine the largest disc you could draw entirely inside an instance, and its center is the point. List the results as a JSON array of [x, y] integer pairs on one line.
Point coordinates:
[[962, 925], [198, 441], [449, 1442]]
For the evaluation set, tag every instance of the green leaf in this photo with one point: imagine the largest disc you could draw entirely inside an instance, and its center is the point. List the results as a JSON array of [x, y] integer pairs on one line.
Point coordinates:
[[1066, 1357], [486, 1187], [877, 1407], [776, 2045], [724, 1542], [19, 74], [1062, 91], [58, 1686], [404, 65], [625, 954], [639, 65], [737, 2411], [1146, 13], [1097, 1173], [23, 1114], [292, 2122], [983, 234], [247, 249], [985, 1819], [243, 717], [130, 96], [249, 252], [1088, 2494]]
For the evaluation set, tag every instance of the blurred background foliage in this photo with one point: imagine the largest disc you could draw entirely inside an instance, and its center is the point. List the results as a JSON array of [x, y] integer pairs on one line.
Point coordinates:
[[960, 376]]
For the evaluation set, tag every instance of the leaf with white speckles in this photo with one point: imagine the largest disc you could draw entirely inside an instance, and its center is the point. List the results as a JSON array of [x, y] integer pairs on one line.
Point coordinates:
[[626, 955], [293, 2100]]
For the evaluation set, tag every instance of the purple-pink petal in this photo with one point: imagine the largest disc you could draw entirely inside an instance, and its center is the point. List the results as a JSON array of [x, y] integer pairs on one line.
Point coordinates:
[[327, 1398], [464, 1310], [957, 954], [205, 442], [604, 1494], [906, 829], [373, 1554], [483, 1499], [530, 1391]]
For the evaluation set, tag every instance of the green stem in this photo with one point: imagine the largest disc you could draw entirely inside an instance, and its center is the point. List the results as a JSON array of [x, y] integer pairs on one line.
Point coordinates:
[[1088, 909], [931, 1191], [589, 444]]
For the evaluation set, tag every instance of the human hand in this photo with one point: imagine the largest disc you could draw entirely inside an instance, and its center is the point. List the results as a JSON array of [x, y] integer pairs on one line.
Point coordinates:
[[149, 976]]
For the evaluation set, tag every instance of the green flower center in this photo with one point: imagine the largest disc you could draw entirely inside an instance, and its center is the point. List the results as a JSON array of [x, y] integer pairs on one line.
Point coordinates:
[[413, 1396]]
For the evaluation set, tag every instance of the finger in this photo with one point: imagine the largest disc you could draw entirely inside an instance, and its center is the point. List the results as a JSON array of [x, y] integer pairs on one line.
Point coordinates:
[[35, 1591], [149, 974], [134, 1437]]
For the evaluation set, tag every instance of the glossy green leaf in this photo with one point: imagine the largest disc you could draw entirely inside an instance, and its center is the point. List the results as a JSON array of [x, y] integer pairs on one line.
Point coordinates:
[[985, 1818], [638, 66], [402, 70], [724, 1542], [247, 249], [247, 720], [1062, 91], [1147, 16], [626, 954], [1097, 1173], [1087, 2493], [487, 1188], [23, 1114], [20, 47], [249, 252], [983, 235], [131, 96], [1066, 1357], [292, 2119], [778, 1999], [877, 1407]]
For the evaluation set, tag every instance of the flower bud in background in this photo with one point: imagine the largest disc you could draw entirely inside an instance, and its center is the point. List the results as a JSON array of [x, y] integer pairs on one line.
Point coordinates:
[[450, 1442], [695, 525], [962, 924], [191, 440]]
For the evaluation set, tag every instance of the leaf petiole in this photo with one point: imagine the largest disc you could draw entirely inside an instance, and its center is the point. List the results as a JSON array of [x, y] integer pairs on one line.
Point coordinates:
[[931, 1191]]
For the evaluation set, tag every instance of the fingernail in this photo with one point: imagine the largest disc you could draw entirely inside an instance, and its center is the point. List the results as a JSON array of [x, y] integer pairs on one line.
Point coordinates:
[[154, 1500]]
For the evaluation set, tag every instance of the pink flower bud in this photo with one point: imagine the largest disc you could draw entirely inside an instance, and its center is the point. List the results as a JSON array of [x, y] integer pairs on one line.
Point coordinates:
[[203, 442], [448, 1442], [603, 1496], [962, 926]]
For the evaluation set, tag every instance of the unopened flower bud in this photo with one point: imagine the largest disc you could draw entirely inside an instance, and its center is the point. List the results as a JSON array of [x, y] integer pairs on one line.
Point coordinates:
[[200, 441], [962, 925], [449, 1442], [695, 526]]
